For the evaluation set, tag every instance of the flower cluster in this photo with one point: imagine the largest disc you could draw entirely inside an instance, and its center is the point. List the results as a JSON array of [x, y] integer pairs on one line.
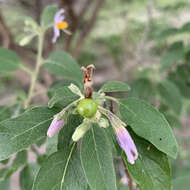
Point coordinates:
[[123, 137]]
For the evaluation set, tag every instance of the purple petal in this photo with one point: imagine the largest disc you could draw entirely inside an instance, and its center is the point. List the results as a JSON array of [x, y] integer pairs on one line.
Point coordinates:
[[56, 34], [59, 16], [55, 126], [127, 144]]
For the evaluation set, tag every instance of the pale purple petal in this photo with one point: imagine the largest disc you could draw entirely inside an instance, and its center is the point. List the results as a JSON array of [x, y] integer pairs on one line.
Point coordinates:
[[59, 16], [126, 143], [55, 126], [56, 34]]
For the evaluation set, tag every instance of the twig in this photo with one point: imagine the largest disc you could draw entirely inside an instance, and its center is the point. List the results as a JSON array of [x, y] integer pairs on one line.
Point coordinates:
[[130, 180], [75, 23], [34, 150], [87, 29], [38, 9], [5, 33]]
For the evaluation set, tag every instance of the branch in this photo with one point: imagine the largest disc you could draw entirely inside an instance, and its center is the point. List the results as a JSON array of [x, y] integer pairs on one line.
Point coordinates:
[[73, 23], [38, 9], [87, 29], [5, 33], [130, 180]]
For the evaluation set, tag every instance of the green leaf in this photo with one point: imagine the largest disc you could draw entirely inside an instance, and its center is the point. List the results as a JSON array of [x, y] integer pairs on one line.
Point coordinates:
[[62, 64], [65, 135], [5, 185], [142, 88], [59, 84], [51, 144], [3, 173], [150, 124], [183, 87], [6, 161], [152, 168], [27, 176], [9, 61], [97, 160], [115, 86], [62, 96], [182, 183], [4, 113], [48, 14], [61, 171], [167, 33], [19, 161], [185, 27], [175, 53], [170, 95], [18, 133]]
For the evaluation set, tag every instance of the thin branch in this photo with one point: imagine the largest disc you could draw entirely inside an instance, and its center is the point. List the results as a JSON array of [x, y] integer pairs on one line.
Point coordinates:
[[87, 28], [38, 9], [5, 33], [34, 150], [130, 180]]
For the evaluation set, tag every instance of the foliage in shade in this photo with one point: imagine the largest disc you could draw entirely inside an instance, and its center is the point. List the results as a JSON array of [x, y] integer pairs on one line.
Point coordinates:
[[97, 150], [19, 161], [51, 144], [4, 113], [47, 17], [150, 124], [62, 64], [170, 95], [63, 97], [20, 132], [142, 88], [5, 185], [64, 138], [181, 183], [173, 121], [61, 171], [9, 61], [115, 86], [152, 169], [174, 54], [27, 176]]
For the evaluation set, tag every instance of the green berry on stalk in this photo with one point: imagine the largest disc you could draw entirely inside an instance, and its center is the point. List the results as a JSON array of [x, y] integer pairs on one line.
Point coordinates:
[[87, 107]]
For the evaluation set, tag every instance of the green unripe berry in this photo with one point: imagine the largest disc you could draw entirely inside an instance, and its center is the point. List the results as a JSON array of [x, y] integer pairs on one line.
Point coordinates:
[[87, 107]]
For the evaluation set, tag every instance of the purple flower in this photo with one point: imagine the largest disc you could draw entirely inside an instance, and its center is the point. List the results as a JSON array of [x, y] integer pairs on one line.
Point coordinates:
[[59, 24], [55, 126], [126, 143]]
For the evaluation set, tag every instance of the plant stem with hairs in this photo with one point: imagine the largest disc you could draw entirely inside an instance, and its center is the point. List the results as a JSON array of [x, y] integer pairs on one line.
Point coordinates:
[[37, 68]]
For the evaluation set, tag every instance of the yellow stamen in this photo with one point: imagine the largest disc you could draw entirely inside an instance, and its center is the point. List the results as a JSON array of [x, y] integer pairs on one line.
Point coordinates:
[[62, 25]]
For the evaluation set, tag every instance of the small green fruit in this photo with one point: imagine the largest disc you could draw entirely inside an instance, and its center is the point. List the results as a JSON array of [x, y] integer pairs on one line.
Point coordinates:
[[87, 107]]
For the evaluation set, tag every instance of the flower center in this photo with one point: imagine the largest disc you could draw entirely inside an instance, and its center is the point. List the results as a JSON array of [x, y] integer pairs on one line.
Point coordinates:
[[62, 25]]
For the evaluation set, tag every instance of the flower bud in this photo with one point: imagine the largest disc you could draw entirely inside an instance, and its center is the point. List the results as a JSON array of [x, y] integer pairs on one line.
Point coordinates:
[[80, 131], [55, 126]]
